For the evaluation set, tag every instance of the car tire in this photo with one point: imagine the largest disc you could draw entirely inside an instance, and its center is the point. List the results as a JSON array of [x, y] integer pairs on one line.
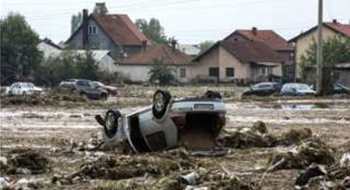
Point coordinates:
[[161, 100], [104, 96], [212, 95], [111, 122]]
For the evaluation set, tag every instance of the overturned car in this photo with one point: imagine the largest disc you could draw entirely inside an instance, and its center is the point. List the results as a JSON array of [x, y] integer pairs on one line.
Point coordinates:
[[193, 122]]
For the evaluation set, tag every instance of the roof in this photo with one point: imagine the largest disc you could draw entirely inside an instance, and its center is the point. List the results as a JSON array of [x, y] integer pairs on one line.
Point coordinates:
[[269, 37], [159, 51], [247, 51], [189, 49], [51, 43], [339, 28], [119, 28]]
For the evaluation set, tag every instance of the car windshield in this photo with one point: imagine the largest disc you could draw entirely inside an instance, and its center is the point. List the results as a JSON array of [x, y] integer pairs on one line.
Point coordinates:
[[96, 84], [302, 87]]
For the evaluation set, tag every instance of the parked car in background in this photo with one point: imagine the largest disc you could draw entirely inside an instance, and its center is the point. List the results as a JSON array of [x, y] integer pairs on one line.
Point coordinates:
[[69, 84], [23, 88], [85, 88], [110, 89], [340, 89], [263, 89], [194, 122], [297, 89]]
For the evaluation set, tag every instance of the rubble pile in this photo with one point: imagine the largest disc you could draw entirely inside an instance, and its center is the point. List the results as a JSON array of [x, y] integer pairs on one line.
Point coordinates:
[[127, 166], [259, 136], [305, 153], [26, 162]]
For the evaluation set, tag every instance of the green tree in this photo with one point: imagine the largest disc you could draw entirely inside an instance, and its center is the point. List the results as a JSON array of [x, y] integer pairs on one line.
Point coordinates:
[[160, 73], [205, 45], [19, 53], [335, 50], [153, 30], [67, 65]]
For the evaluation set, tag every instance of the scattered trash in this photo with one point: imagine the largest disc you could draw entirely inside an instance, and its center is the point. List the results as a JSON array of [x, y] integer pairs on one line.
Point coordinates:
[[4, 183], [312, 171], [345, 160], [307, 152], [190, 179]]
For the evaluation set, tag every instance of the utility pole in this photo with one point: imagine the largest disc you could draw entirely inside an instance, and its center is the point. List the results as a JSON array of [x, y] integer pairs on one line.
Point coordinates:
[[320, 87]]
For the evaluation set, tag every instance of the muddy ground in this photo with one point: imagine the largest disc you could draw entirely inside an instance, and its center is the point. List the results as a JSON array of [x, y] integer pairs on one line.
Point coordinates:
[[51, 131]]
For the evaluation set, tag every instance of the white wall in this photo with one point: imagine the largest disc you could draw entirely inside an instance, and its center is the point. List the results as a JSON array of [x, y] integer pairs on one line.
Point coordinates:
[[48, 50]]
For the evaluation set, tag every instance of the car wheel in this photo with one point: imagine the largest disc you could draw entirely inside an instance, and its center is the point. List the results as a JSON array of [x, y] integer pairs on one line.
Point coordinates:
[[212, 95], [161, 100], [104, 96], [111, 122]]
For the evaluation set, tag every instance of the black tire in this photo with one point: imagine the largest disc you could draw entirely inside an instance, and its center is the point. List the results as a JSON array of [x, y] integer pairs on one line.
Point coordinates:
[[161, 100], [111, 122], [104, 96], [212, 95]]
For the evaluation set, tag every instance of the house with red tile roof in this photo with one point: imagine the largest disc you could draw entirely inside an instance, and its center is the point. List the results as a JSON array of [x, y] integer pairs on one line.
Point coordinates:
[[114, 32], [274, 41], [303, 41], [242, 61]]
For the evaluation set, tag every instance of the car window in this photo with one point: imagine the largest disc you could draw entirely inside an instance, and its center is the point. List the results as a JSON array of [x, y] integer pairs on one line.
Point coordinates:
[[83, 83], [263, 86], [302, 87]]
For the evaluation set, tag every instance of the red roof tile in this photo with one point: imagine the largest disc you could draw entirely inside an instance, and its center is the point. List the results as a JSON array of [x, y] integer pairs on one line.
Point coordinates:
[[162, 51], [341, 28], [120, 29], [269, 37], [247, 51], [252, 51]]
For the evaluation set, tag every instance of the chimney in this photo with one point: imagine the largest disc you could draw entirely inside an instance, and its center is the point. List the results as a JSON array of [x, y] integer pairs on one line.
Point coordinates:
[[85, 29], [144, 45], [335, 21], [255, 30], [173, 44]]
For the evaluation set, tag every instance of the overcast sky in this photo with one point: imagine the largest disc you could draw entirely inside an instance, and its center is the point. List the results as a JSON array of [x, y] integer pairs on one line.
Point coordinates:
[[189, 21]]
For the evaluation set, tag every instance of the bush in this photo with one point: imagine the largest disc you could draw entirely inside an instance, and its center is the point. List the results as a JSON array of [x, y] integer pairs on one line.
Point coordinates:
[[161, 74]]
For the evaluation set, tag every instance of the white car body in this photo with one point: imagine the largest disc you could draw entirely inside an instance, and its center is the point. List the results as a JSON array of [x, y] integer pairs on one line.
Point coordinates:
[[23, 88], [195, 122]]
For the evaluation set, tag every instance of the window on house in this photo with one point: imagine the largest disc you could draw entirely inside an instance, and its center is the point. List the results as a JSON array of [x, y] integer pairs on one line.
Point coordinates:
[[92, 29], [230, 72], [214, 71], [182, 72]]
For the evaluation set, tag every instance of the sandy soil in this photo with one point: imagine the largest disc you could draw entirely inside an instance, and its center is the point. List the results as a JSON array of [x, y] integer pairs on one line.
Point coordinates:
[[52, 130]]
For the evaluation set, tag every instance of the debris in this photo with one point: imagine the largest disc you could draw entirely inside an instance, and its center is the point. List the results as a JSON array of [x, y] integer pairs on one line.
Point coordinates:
[[294, 136], [246, 138], [346, 182], [210, 153], [190, 179], [28, 162], [307, 152], [260, 127], [124, 167], [345, 160], [4, 183], [313, 170]]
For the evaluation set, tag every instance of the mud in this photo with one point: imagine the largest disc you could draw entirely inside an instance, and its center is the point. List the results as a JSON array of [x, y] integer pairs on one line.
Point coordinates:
[[51, 132]]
